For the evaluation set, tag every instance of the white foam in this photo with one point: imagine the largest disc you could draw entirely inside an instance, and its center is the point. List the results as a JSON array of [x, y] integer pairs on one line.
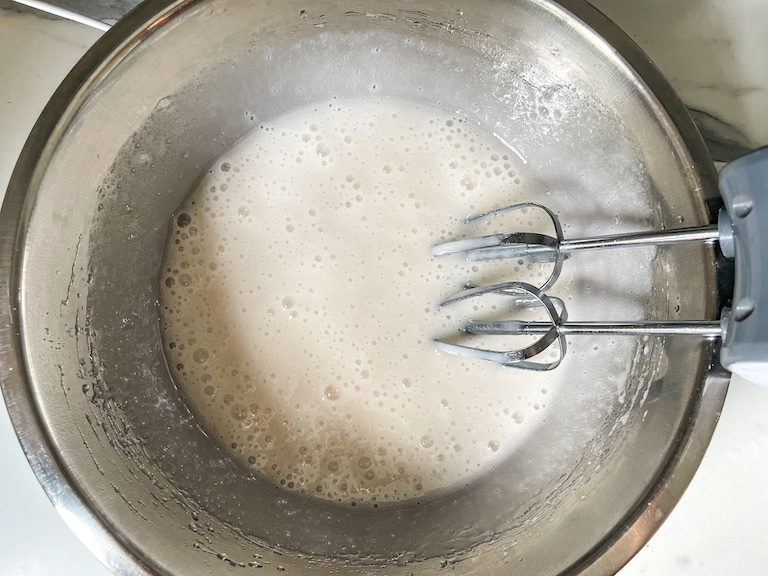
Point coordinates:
[[299, 302]]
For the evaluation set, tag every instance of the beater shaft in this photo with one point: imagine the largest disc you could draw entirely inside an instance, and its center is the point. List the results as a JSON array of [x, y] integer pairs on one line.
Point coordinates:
[[542, 248], [702, 328], [695, 234]]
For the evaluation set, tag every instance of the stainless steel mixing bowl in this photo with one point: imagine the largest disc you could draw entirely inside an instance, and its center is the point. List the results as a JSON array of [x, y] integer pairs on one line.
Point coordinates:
[[128, 135]]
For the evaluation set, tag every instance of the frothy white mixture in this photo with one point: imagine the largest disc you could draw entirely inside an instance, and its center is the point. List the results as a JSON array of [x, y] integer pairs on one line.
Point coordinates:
[[299, 303]]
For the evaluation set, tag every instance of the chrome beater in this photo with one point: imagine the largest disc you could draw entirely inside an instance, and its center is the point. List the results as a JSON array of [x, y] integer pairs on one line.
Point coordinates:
[[541, 248], [740, 231], [554, 331]]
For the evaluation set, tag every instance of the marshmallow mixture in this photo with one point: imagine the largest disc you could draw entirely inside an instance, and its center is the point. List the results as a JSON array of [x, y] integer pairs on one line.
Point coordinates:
[[299, 301]]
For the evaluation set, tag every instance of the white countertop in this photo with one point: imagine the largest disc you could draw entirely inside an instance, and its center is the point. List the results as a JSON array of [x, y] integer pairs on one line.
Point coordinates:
[[717, 529]]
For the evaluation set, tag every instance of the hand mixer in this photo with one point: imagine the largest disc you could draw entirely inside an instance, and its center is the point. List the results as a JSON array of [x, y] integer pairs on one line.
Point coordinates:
[[741, 230]]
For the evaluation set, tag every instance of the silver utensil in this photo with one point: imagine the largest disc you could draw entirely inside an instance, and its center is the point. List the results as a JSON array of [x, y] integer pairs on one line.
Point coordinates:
[[740, 230], [542, 248]]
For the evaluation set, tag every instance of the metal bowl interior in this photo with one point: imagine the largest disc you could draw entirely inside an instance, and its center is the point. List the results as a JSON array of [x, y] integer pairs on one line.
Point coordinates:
[[127, 137]]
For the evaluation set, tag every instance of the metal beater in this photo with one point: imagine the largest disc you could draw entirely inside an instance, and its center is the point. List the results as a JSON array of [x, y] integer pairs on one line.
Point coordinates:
[[740, 230]]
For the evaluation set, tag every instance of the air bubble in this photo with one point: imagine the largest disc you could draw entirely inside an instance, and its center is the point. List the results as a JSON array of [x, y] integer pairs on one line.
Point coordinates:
[[322, 150], [239, 412], [364, 462], [468, 182], [200, 356]]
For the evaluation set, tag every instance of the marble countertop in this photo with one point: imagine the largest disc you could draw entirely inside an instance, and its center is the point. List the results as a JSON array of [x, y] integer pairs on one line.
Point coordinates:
[[715, 55], [713, 52]]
